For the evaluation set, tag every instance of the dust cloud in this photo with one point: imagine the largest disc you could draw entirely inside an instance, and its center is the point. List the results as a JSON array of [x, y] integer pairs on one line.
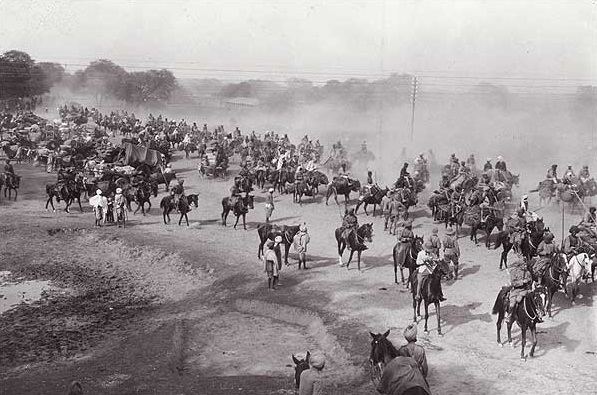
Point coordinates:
[[530, 132]]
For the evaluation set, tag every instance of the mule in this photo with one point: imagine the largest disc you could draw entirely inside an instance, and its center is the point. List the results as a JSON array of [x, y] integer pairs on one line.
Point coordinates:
[[527, 313], [270, 231], [431, 292], [239, 208], [355, 241]]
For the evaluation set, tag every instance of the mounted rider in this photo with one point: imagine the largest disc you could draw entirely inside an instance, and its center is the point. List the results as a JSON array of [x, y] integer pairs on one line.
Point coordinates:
[[350, 222], [569, 176], [435, 241], [405, 238], [425, 266], [584, 174], [487, 166], [456, 200], [545, 252], [485, 205], [501, 164], [517, 227], [470, 161], [397, 210], [520, 281], [552, 173], [451, 249], [572, 242]]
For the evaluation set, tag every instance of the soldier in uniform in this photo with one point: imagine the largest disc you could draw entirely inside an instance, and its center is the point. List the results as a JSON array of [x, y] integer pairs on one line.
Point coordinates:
[[572, 242], [552, 173], [545, 251], [520, 281], [501, 164], [405, 238], [435, 242], [487, 166], [451, 250]]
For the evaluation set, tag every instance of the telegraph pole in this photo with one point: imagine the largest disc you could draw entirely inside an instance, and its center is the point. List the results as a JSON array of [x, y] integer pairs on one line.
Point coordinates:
[[412, 116]]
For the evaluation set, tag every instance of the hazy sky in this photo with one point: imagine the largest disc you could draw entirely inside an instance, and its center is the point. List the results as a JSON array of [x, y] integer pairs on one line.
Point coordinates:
[[275, 39]]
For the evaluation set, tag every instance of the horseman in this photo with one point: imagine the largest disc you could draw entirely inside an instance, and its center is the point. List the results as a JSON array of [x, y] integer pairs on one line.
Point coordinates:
[[485, 206], [344, 173], [545, 251], [518, 229], [572, 242], [584, 174], [425, 266], [552, 174], [456, 200], [487, 166], [569, 176], [520, 281], [501, 164], [396, 211], [405, 238], [350, 222], [451, 249]]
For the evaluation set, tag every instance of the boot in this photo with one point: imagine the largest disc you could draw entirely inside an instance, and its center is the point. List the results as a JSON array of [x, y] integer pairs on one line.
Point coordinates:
[[275, 282], [269, 283]]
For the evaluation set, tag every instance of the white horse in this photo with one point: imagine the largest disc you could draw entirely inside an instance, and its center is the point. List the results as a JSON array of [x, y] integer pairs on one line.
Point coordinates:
[[578, 267]]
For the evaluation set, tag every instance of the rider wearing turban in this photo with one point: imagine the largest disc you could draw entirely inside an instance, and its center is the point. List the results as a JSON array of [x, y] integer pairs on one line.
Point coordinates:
[[413, 350]]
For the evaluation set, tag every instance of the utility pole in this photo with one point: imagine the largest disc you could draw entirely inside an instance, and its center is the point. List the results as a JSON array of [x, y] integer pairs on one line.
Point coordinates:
[[412, 117]]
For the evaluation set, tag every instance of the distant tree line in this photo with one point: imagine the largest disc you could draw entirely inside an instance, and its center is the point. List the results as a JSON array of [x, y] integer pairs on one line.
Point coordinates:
[[22, 77]]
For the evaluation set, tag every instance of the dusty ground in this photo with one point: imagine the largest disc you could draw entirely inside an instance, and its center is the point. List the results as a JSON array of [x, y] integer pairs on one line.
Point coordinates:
[[174, 310]]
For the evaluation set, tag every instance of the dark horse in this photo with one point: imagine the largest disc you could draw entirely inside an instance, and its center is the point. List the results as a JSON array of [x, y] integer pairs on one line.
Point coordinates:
[[302, 188], [355, 241], [11, 183], [410, 380], [342, 187], [374, 198], [300, 366], [526, 314], [240, 208], [528, 246], [141, 195], [553, 278], [167, 205], [62, 192], [410, 263], [270, 231], [431, 291], [487, 226]]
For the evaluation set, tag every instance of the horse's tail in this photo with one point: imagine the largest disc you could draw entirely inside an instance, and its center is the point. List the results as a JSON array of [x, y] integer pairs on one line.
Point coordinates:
[[499, 305]]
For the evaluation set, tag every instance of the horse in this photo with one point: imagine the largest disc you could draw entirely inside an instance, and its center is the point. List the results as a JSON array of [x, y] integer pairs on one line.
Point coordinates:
[[342, 187], [270, 231], [167, 205], [528, 246], [300, 366], [240, 208], [141, 194], [184, 206], [316, 178], [410, 380], [302, 188], [527, 313], [410, 259], [355, 241], [68, 193], [162, 178], [487, 226], [553, 278], [11, 183], [431, 291], [578, 266], [374, 197]]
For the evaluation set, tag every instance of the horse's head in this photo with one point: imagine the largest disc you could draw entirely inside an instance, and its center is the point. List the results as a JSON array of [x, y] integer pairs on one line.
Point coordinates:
[[355, 185], [380, 348], [539, 296], [417, 244], [442, 268], [248, 201], [300, 366], [366, 232]]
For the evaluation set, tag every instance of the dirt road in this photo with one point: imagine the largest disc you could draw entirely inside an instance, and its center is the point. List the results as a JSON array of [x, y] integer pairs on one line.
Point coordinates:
[[194, 314]]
